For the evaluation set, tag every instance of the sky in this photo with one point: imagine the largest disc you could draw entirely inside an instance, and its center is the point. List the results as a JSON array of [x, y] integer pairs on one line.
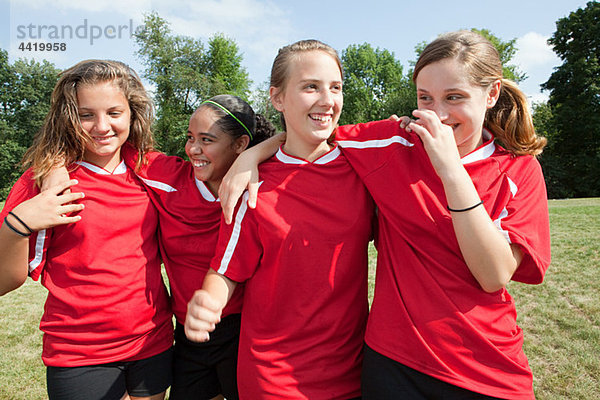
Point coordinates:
[[102, 29]]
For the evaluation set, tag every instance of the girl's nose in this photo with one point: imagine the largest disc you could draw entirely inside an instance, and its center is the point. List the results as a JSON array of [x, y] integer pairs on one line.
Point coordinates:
[[102, 124], [441, 111], [196, 148], [327, 98]]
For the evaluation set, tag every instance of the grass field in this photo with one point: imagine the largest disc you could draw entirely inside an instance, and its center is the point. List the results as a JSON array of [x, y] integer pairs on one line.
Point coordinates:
[[561, 317]]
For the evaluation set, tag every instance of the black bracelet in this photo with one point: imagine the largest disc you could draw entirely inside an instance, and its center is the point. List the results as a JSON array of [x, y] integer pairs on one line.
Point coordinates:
[[15, 230], [21, 221], [465, 209]]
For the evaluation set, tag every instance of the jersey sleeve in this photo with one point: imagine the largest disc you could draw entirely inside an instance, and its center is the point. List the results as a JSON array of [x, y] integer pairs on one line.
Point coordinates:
[[160, 172], [24, 189], [238, 251], [527, 222], [370, 145]]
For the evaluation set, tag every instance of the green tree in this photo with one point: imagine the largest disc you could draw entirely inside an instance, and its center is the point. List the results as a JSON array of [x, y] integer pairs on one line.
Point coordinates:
[[184, 74], [24, 103], [261, 104], [507, 51], [374, 85], [224, 68], [555, 171], [575, 100]]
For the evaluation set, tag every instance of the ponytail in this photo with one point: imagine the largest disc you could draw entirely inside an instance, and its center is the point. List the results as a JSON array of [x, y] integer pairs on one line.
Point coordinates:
[[264, 130], [511, 123]]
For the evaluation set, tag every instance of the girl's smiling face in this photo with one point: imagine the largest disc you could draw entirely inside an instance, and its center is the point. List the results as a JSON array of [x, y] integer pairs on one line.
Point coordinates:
[[444, 88], [210, 150], [311, 103], [105, 115]]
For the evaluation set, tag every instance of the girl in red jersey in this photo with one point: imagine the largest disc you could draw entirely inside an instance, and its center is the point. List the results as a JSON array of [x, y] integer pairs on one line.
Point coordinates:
[[459, 216], [107, 321], [185, 194], [302, 253]]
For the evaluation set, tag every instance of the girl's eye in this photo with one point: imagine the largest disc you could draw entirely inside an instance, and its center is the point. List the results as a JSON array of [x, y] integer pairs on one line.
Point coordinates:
[[453, 97], [311, 86], [206, 140], [85, 116], [190, 138], [336, 88], [424, 98]]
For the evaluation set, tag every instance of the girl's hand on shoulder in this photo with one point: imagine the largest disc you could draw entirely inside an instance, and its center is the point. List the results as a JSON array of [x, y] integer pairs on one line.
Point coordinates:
[[51, 207], [438, 140], [56, 176], [242, 175]]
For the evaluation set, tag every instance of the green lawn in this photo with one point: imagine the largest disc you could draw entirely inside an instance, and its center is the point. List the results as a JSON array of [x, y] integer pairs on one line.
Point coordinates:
[[561, 317]]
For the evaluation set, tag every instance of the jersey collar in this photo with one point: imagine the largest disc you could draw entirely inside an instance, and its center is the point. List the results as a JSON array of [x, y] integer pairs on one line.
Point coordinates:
[[324, 159], [206, 194], [482, 152], [120, 169]]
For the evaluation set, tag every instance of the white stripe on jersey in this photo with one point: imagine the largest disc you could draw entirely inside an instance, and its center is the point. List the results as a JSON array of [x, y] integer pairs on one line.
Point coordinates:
[[158, 185], [235, 235], [39, 250], [376, 143], [504, 213], [120, 169]]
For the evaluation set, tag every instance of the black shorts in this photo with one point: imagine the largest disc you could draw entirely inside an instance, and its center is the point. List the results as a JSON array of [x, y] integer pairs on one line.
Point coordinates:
[[205, 370], [384, 378], [141, 378]]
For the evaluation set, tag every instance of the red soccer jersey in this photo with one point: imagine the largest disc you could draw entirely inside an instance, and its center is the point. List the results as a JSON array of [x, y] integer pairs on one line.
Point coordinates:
[[189, 219], [303, 255], [106, 298], [429, 312]]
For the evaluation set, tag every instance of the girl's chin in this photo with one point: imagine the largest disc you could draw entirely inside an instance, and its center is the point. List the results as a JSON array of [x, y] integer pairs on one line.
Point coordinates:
[[200, 175]]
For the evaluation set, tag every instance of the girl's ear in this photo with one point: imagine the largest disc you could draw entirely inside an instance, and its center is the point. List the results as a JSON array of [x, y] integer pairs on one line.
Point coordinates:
[[493, 93], [276, 98], [241, 143]]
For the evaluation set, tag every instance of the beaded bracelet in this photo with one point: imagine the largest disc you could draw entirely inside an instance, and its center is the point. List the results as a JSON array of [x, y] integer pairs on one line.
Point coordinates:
[[15, 230], [465, 209]]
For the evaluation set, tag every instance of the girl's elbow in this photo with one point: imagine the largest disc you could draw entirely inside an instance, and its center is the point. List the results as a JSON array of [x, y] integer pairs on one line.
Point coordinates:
[[492, 287], [492, 284]]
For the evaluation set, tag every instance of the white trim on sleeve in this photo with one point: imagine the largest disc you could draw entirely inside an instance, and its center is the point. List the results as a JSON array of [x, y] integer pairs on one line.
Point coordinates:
[[504, 213], [235, 235], [39, 250]]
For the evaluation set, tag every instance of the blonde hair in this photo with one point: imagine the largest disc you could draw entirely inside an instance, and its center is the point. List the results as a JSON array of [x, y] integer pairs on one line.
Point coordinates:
[[510, 119], [280, 71], [61, 139]]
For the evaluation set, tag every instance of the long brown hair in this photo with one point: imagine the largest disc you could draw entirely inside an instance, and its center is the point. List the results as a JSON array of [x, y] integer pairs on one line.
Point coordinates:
[[510, 119], [61, 139]]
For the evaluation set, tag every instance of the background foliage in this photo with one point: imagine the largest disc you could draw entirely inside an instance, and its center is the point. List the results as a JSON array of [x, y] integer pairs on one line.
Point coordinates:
[[183, 71]]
